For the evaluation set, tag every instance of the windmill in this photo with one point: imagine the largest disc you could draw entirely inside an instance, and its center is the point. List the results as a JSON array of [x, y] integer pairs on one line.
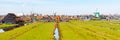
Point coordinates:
[[97, 14]]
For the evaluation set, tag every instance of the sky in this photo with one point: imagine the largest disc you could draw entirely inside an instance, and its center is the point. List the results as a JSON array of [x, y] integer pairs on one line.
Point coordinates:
[[61, 7]]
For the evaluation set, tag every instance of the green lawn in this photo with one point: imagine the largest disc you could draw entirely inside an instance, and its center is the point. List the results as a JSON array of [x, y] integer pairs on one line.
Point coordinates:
[[88, 30], [34, 31], [73, 30], [5, 25]]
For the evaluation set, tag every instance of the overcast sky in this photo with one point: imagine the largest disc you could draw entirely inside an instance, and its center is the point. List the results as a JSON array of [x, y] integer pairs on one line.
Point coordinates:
[[66, 7]]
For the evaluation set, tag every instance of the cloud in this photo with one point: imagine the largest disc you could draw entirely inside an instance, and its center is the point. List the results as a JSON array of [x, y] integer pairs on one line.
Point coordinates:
[[26, 2], [12, 1], [59, 6], [38, 2]]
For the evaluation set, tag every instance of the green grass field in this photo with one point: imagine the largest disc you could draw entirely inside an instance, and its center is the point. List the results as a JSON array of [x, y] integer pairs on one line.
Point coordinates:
[[73, 30], [34, 31], [89, 30], [5, 25]]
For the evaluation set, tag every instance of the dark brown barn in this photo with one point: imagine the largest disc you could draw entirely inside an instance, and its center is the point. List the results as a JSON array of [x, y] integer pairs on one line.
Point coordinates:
[[9, 18]]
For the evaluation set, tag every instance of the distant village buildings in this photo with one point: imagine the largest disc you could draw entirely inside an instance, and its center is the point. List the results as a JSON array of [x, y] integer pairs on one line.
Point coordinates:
[[12, 18]]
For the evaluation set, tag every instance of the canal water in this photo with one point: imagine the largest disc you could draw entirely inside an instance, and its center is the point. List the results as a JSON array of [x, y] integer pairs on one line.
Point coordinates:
[[1, 31], [56, 35]]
